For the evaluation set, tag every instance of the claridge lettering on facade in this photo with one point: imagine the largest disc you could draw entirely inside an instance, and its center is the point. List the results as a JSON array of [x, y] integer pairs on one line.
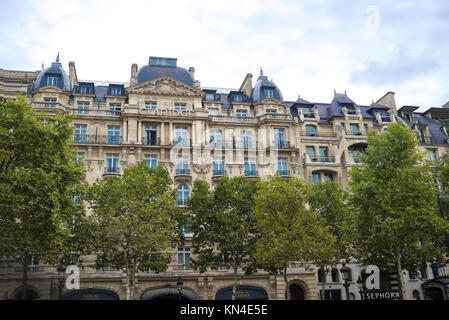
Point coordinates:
[[165, 116]]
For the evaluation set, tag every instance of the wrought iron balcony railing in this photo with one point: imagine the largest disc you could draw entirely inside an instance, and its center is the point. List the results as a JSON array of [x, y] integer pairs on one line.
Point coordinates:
[[96, 139], [219, 172], [183, 172], [284, 173], [317, 134], [281, 144], [322, 159], [181, 202], [111, 170], [251, 173], [151, 142]]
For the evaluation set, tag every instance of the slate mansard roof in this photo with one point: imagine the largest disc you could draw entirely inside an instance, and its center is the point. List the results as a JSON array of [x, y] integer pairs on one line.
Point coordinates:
[[158, 67], [55, 70]]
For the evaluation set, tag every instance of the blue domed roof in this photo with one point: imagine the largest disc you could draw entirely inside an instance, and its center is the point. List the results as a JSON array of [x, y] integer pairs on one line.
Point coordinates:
[[55, 76], [158, 67], [265, 88]]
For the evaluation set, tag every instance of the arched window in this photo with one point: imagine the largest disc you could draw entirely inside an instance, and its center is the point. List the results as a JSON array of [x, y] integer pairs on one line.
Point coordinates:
[[311, 131], [321, 275], [183, 195], [334, 273]]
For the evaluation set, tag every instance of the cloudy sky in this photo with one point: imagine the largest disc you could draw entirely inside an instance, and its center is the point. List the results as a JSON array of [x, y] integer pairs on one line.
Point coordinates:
[[309, 48]]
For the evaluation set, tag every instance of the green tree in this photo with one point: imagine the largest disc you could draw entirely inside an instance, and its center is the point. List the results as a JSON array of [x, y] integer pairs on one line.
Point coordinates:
[[395, 204], [329, 200], [290, 231], [224, 226], [37, 176], [133, 221]]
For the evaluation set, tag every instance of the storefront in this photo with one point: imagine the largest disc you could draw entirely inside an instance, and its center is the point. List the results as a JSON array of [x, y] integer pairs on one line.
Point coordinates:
[[90, 294], [243, 293]]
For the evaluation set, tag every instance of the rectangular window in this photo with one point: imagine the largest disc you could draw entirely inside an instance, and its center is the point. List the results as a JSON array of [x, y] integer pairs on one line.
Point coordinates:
[[79, 156], [324, 154], [282, 167], [85, 90], [80, 134], [151, 160], [268, 93], [52, 81], [150, 136], [311, 131], [182, 165], [365, 126], [218, 166], [432, 154], [311, 152], [150, 105], [182, 136], [210, 96], [279, 138], [328, 176], [271, 113], [315, 178], [237, 98], [308, 112], [50, 102], [83, 107], [113, 135], [184, 258], [112, 163], [215, 139], [115, 109], [180, 106], [115, 91], [246, 139], [250, 167], [354, 129], [241, 115]]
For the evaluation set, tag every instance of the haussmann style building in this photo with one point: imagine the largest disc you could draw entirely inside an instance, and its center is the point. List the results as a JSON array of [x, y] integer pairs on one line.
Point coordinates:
[[164, 116]]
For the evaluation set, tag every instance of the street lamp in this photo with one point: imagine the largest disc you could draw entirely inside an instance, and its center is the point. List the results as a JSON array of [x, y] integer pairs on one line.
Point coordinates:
[[346, 276], [61, 276], [179, 284], [360, 285]]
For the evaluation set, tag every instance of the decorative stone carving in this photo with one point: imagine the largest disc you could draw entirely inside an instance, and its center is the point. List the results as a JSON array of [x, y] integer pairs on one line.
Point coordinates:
[[166, 86], [201, 168]]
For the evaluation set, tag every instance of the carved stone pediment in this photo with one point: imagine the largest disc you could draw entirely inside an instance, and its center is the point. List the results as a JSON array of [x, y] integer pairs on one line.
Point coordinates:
[[165, 86], [201, 168]]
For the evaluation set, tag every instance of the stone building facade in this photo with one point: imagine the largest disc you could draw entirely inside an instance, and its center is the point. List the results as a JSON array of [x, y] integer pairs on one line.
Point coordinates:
[[164, 116]]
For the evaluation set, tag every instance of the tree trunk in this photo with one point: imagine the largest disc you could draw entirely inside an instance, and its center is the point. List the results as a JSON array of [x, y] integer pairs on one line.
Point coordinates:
[[402, 293], [130, 284], [323, 285], [25, 275], [287, 291], [234, 285]]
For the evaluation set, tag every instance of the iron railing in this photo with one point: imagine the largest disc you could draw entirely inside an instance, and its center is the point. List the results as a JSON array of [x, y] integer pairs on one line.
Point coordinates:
[[183, 172], [251, 173], [219, 172], [151, 142], [96, 139], [110, 170]]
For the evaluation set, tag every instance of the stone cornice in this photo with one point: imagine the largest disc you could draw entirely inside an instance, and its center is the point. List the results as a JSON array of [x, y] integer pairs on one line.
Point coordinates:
[[165, 86]]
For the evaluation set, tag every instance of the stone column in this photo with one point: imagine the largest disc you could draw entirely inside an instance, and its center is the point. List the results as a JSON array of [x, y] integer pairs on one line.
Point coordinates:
[[170, 132], [162, 133]]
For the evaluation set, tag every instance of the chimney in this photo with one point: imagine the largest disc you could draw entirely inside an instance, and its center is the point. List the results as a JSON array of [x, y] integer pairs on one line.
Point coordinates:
[[192, 72], [133, 79], [72, 74], [247, 84], [389, 101]]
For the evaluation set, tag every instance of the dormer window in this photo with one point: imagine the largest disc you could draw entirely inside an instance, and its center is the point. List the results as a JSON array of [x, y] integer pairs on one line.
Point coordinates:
[[52, 81], [115, 91], [268, 93], [210, 96], [308, 112], [237, 98]]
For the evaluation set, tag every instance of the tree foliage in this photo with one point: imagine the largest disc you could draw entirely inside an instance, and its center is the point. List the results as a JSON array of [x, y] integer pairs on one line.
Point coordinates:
[[290, 231], [37, 179], [394, 199], [133, 221], [223, 225]]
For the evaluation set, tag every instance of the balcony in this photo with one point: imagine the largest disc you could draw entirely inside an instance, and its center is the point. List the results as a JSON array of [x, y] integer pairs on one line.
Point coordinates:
[[95, 112], [356, 133], [284, 174], [281, 145], [151, 142], [182, 142], [309, 115], [96, 139], [181, 202], [232, 119], [317, 134], [217, 174], [111, 171], [313, 159], [48, 105], [182, 175], [274, 116], [426, 140], [251, 174]]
